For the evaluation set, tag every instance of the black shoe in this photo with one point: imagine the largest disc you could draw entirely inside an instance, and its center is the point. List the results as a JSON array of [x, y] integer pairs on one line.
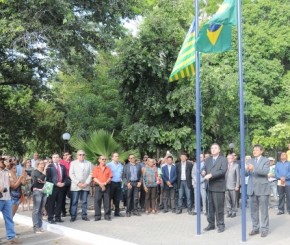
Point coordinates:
[[165, 211], [119, 215], [108, 219], [97, 219], [253, 232], [173, 211], [51, 222], [220, 230], [191, 213], [128, 214], [179, 211], [136, 214], [233, 215], [280, 212], [72, 219], [264, 234], [85, 219], [209, 227], [229, 215], [59, 220], [63, 215]]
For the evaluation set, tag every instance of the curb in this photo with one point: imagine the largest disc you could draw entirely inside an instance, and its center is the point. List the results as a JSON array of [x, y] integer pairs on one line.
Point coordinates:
[[71, 233]]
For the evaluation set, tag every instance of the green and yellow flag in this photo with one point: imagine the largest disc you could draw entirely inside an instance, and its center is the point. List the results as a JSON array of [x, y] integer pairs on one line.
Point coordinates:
[[185, 63], [216, 35]]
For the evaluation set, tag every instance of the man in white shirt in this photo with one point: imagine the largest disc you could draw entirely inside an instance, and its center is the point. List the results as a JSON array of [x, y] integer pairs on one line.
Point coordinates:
[[184, 183]]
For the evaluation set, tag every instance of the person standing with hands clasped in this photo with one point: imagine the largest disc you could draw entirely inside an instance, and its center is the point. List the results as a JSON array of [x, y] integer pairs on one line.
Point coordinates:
[[56, 174], [132, 179], [258, 191], [150, 179], [80, 173], [214, 172], [102, 176]]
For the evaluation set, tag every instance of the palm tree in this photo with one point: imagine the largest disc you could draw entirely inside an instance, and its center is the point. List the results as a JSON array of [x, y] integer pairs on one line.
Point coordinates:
[[100, 143]]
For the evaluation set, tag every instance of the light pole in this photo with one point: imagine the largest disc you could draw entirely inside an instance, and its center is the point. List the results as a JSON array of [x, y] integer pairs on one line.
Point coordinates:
[[66, 138]]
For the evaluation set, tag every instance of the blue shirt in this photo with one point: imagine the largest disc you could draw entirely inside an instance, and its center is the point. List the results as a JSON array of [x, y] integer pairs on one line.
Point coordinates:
[[133, 171], [283, 170], [117, 171]]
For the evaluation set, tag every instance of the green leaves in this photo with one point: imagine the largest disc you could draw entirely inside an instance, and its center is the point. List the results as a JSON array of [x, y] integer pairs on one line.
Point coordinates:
[[100, 143]]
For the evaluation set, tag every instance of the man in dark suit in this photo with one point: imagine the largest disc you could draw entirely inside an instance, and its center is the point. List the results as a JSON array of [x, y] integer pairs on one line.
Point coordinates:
[[184, 183], [259, 190], [169, 187], [132, 179], [214, 172], [56, 174]]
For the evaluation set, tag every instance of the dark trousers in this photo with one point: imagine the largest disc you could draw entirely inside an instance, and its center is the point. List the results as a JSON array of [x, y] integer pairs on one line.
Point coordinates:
[[54, 203], [215, 208], [67, 193], [116, 195], [169, 198], [132, 198], [142, 197], [105, 197], [151, 198], [284, 191]]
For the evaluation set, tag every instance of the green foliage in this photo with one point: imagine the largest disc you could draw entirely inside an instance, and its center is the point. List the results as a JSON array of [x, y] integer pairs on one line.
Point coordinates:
[[100, 143], [15, 111], [279, 137], [159, 111], [117, 82], [143, 67], [37, 39], [91, 104]]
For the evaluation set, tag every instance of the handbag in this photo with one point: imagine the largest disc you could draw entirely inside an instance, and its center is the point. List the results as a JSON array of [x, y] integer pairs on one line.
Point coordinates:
[[47, 188], [16, 193]]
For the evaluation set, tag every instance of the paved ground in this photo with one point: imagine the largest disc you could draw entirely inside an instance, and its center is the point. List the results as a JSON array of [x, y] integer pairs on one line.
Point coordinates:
[[159, 229], [29, 238]]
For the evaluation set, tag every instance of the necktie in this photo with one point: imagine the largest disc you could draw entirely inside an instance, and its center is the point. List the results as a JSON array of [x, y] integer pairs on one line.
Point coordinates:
[[213, 161], [58, 173]]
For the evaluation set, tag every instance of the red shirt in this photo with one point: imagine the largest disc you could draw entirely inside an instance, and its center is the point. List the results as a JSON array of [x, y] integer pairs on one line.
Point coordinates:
[[102, 173], [66, 164]]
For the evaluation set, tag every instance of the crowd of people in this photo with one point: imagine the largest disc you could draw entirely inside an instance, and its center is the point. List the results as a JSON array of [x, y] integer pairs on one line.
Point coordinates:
[[147, 186]]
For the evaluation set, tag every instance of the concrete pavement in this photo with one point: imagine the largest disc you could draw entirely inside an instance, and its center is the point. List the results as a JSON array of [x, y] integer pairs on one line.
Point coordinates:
[[158, 229]]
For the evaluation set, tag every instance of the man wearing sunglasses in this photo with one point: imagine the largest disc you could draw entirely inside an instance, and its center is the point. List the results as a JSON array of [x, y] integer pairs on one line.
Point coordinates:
[[80, 173], [132, 179], [102, 176]]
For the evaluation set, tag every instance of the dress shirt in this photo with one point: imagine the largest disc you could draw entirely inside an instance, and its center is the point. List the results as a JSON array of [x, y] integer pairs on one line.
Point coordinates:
[[55, 164], [102, 174], [133, 170], [169, 169], [66, 164], [183, 167], [117, 171]]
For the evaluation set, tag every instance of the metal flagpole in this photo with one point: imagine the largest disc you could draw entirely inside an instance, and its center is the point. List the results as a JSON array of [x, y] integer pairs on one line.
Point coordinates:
[[197, 124], [242, 126]]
